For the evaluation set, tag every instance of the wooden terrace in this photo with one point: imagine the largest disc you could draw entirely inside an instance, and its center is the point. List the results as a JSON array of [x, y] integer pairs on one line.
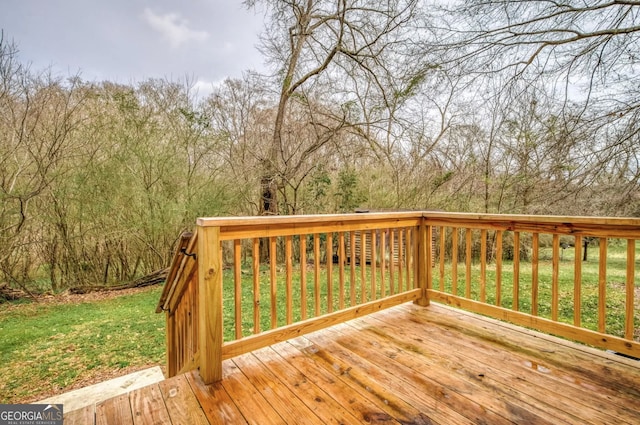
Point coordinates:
[[404, 365], [285, 336]]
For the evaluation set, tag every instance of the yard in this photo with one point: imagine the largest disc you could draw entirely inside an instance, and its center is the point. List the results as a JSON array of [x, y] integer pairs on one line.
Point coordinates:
[[67, 342]]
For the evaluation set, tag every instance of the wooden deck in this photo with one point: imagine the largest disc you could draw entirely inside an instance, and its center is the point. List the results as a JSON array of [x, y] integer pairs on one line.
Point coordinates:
[[405, 365]]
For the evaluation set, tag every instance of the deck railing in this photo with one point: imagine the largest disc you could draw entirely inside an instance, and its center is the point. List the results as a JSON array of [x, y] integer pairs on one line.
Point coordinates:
[[532, 271], [239, 284], [267, 279]]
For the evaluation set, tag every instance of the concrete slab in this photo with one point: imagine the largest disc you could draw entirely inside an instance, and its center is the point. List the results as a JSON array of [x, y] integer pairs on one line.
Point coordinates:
[[96, 393]]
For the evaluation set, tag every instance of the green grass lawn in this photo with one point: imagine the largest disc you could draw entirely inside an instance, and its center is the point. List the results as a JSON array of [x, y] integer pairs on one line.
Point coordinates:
[[46, 348], [296, 289], [615, 287]]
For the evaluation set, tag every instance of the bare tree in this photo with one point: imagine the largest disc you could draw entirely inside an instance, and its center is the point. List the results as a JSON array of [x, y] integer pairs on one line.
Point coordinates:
[[580, 57], [588, 44], [308, 41]]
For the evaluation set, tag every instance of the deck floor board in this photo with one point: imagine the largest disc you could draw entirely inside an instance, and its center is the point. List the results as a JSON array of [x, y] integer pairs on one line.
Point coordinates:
[[556, 367], [478, 401], [214, 400], [405, 365], [314, 397], [148, 406], [511, 382]]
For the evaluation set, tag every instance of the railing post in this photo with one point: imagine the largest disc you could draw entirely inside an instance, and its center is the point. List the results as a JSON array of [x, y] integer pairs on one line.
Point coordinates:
[[209, 304], [424, 262]]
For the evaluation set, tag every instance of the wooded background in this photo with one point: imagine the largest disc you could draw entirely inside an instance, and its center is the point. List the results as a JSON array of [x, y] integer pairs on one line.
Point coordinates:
[[525, 107]]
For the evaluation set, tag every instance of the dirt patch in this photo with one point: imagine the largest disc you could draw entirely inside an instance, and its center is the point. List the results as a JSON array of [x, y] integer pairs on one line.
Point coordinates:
[[68, 298]]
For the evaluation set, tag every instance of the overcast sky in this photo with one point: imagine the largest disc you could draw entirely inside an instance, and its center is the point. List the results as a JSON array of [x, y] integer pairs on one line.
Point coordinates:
[[132, 40]]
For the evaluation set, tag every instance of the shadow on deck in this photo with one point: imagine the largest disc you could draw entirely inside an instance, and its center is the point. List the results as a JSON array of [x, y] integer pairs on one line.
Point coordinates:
[[406, 365]]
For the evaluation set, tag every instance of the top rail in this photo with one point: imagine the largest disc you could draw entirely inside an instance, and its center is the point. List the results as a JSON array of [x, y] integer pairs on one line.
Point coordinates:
[[323, 219], [247, 227], [612, 227]]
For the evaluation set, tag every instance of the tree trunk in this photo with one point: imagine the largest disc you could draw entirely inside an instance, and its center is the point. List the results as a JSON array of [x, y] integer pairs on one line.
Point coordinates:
[[585, 245], [269, 195], [154, 278]]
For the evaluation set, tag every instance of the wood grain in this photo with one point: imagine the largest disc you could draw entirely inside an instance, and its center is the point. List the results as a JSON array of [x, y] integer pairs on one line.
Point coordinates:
[[182, 404], [209, 293], [83, 416], [115, 411], [407, 364], [215, 402], [147, 406]]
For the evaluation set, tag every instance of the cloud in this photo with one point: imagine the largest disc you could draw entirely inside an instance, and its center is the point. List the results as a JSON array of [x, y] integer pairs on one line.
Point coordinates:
[[202, 88], [174, 28]]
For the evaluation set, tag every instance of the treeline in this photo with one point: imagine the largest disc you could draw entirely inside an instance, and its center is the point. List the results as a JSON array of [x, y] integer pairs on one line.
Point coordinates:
[[97, 180]]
